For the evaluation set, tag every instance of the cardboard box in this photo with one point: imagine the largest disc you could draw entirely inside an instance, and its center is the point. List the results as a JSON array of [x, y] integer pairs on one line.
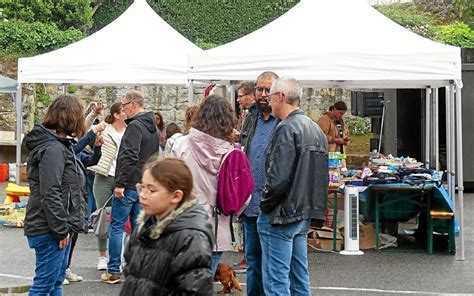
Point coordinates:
[[23, 173], [339, 200], [7, 136], [322, 240], [366, 236]]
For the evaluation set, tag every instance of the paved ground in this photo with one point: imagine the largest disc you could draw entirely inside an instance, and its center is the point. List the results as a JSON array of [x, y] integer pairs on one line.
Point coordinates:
[[375, 273]]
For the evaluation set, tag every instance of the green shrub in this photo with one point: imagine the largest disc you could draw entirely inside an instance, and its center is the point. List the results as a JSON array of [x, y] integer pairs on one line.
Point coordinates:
[[358, 125], [458, 34], [64, 14], [407, 14], [207, 23], [71, 89], [25, 39]]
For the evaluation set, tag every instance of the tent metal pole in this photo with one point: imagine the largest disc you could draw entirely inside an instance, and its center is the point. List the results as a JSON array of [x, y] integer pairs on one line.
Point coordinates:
[[452, 141], [381, 131], [427, 126], [436, 127], [448, 145], [19, 130], [460, 170], [190, 92]]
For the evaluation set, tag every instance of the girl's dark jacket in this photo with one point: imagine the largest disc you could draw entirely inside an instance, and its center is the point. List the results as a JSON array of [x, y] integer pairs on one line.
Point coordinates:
[[57, 203], [171, 256]]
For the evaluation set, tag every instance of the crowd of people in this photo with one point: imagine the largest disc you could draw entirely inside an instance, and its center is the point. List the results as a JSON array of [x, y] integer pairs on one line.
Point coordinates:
[[161, 183]]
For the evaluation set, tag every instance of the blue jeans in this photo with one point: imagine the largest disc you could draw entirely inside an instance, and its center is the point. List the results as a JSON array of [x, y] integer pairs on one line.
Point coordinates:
[[51, 263], [216, 257], [284, 257], [121, 209], [91, 207], [253, 255]]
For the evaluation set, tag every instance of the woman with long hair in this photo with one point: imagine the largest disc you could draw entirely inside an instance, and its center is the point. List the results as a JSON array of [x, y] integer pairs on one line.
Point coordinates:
[[209, 139], [57, 206], [105, 170]]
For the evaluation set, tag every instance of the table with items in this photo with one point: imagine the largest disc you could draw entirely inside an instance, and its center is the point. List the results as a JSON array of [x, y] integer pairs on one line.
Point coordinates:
[[395, 190]]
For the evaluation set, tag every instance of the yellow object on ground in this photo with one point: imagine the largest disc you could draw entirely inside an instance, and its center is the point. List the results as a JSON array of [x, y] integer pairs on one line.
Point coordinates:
[[14, 192]]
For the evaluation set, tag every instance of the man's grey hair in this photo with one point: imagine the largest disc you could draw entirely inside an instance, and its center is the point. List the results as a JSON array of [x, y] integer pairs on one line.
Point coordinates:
[[290, 87], [135, 96]]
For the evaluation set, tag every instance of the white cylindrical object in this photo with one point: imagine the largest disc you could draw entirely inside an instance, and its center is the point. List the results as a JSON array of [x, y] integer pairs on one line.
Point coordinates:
[[351, 221]]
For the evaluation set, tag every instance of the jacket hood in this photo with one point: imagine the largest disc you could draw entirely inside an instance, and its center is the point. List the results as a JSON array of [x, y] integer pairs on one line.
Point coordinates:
[[189, 215], [207, 151], [146, 118], [39, 135]]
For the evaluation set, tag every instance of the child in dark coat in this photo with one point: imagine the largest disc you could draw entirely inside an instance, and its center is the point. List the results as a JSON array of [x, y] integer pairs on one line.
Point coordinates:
[[170, 250]]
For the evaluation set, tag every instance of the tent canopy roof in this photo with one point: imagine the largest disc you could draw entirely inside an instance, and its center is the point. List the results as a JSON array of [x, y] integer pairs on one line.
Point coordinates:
[[333, 42], [138, 47], [8, 85]]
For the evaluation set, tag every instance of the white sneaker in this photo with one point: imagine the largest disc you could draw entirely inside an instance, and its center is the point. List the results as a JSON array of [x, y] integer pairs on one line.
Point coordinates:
[[102, 263], [65, 282], [72, 277]]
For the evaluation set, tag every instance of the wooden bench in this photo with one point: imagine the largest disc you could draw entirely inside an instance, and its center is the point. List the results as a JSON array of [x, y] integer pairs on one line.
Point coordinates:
[[441, 215]]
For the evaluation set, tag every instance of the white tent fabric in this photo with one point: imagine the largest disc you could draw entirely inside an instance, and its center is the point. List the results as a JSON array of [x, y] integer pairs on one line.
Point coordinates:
[[8, 85], [341, 43], [137, 48]]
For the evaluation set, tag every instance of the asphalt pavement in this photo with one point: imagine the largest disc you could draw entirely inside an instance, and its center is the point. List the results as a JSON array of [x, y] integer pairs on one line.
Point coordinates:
[[374, 273]]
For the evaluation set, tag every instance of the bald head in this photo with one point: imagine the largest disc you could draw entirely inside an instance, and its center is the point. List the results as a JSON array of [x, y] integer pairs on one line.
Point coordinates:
[[268, 75]]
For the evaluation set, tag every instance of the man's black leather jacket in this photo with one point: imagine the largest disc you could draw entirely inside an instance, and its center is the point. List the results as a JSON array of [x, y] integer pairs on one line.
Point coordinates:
[[297, 171]]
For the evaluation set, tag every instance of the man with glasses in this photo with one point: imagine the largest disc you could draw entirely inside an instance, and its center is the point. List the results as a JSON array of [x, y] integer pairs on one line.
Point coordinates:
[[245, 98], [139, 142], [295, 192], [255, 135]]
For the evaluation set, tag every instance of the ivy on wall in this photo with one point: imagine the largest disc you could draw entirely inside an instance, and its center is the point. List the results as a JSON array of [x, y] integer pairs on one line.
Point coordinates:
[[207, 23]]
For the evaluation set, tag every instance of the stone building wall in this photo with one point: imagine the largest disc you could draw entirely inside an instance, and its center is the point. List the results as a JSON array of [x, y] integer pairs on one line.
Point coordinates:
[[170, 101]]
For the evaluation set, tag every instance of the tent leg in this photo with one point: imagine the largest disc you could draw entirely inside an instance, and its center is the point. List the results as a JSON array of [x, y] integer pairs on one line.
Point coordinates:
[[19, 131], [460, 170], [427, 126], [448, 145], [436, 128], [452, 140], [190, 92]]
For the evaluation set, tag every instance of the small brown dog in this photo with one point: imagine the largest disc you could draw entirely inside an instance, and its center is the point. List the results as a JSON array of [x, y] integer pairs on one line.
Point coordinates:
[[226, 275]]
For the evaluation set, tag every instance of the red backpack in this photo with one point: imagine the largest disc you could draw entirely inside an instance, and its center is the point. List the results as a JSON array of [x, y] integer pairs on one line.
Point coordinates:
[[235, 183]]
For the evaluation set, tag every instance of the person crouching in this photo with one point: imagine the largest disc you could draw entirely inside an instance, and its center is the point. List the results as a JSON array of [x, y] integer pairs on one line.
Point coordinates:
[[170, 250]]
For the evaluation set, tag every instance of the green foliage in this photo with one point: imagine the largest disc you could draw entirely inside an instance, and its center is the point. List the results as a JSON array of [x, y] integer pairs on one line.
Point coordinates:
[[64, 14], [358, 125], [207, 23], [458, 34], [421, 20], [42, 96], [24, 39], [407, 14], [71, 89]]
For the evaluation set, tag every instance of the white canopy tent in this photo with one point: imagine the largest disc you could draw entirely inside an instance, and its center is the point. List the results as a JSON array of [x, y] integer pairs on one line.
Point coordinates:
[[138, 47], [342, 43], [348, 44], [8, 85]]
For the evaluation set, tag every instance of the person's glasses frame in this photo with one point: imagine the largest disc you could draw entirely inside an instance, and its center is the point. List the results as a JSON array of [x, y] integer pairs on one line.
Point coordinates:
[[145, 192], [262, 90], [125, 104]]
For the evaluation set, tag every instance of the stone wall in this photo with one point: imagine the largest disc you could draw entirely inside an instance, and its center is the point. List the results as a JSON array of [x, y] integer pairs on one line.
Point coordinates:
[[171, 101]]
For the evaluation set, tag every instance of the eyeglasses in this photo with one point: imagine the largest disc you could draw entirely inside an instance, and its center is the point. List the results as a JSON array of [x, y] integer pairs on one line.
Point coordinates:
[[261, 90], [145, 192], [125, 104], [269, 96], [241, 96]]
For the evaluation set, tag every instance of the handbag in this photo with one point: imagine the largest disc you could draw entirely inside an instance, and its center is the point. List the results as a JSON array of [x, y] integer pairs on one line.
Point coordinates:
[[100, 221]]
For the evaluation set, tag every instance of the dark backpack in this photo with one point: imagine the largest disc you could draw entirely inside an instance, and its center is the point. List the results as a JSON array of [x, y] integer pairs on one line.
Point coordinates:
[[235, 183]]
